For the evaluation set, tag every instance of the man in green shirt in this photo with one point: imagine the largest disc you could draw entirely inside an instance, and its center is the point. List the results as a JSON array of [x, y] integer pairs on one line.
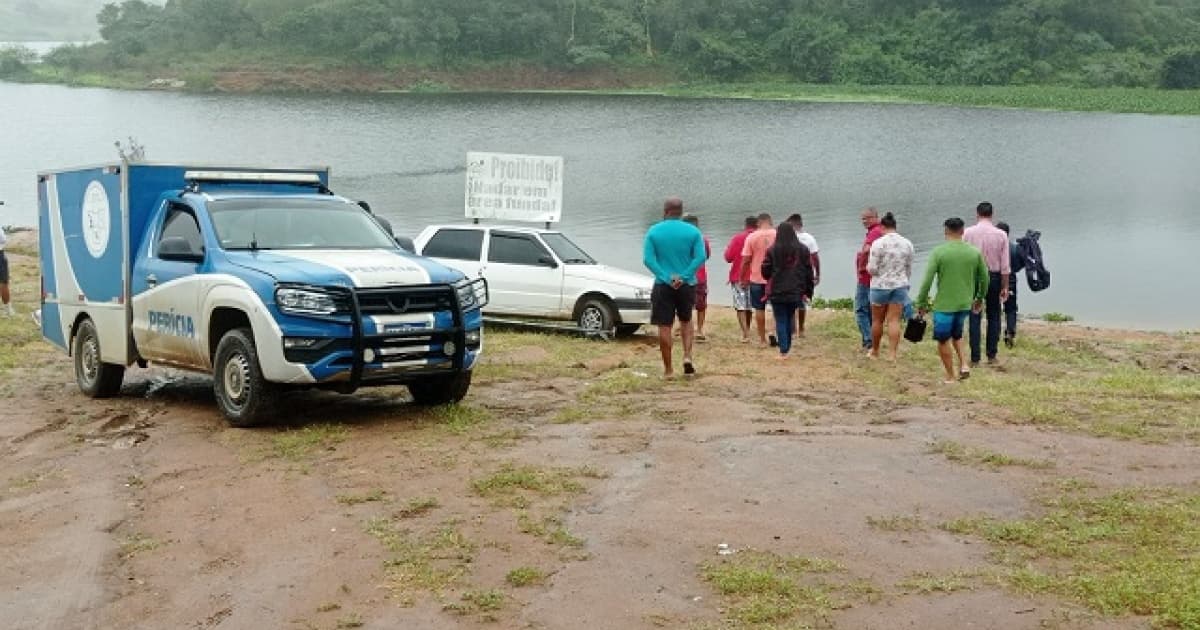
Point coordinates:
[[962, 283]]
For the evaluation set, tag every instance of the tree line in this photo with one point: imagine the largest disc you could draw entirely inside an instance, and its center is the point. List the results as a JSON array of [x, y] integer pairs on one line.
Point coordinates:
[[941, 42]]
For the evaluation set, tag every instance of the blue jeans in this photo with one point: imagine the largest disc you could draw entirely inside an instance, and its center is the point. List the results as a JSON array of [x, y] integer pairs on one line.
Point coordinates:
[[862, 313], [785, 318]]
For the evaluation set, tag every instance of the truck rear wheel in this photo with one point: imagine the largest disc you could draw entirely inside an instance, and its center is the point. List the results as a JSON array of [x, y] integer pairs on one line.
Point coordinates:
[[95, 377], [440, 390], [242, 393]]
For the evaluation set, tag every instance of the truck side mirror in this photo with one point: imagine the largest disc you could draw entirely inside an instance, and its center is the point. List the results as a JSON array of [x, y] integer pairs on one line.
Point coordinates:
[[406, 244], [177, 248], [547, 261]]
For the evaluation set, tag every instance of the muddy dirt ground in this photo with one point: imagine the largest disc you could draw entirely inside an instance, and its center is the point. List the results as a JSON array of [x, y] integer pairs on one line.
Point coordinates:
[[147, 511]]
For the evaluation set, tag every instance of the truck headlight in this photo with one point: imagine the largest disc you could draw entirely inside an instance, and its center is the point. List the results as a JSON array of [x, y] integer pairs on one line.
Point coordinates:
[[296, 301], [472, 294]]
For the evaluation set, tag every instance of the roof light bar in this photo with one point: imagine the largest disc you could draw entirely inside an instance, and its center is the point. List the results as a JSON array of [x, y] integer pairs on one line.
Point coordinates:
[[253, 177]]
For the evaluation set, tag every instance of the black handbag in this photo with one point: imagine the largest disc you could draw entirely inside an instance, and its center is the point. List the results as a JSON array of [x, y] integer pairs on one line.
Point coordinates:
[[914, 331]]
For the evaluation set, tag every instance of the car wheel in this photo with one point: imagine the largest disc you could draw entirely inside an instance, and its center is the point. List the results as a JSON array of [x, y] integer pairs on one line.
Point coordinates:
[[440, 390], [243, 395], [95, 377], [596, 316]]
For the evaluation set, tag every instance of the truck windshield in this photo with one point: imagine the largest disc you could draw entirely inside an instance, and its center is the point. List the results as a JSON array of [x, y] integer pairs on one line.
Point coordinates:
[[266, 223], [568, 252]]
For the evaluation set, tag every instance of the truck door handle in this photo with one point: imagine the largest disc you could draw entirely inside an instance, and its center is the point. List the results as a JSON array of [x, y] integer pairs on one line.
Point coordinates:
[[151, 280]]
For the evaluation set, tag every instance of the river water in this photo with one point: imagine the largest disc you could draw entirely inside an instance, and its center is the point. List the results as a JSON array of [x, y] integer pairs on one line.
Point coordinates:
[[1116, 196]]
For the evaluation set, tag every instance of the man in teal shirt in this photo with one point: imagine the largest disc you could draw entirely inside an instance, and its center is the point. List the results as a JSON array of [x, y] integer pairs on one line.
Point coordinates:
[[962, 283], [674, 252]]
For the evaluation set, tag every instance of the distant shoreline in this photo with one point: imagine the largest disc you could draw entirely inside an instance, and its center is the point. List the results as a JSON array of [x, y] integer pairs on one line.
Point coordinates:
[[638, 81]]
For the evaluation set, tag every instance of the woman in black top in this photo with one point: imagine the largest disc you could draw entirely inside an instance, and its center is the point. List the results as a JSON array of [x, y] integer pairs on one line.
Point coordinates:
[[789, 274]]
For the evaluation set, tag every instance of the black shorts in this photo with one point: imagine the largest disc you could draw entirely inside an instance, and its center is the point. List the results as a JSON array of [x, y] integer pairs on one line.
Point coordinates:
[[667, 303], [3, 268]]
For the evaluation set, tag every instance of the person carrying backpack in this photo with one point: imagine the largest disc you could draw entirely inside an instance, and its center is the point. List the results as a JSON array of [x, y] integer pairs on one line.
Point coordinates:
[[1010, 305]]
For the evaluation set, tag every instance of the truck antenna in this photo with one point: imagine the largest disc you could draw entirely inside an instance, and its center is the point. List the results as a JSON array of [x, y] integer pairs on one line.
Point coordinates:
[[253, 242]]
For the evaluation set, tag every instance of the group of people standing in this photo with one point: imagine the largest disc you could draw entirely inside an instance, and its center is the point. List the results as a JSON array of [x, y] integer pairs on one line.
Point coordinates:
[[780, 266]]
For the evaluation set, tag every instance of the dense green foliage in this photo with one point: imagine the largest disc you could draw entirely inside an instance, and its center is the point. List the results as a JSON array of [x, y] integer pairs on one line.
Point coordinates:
[[898, 42]]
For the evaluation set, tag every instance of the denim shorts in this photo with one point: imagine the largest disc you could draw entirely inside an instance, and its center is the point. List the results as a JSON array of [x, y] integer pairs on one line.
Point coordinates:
[[947, 326], [758, 297], [880, 297]]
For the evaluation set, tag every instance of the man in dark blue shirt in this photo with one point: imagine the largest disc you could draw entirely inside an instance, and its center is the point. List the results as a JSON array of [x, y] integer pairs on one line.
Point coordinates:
[[674, 252], [1010, 305]]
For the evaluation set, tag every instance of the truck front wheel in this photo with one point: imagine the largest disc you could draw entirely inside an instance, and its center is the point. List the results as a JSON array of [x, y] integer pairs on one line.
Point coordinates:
[[95, 377], [440, 390], [242, 393]]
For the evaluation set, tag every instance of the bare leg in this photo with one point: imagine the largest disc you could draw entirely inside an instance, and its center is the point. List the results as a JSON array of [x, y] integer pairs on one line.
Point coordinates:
[[800, 313], [744, 321], [5, 297], [877, 313], [760, 319], [958, 350], [700, 322], [894, 311], [948, 359], [689, 339], [665, 345]]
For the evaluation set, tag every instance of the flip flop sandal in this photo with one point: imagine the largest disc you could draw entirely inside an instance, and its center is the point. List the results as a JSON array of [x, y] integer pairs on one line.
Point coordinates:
[[688, 368], [964, 375]]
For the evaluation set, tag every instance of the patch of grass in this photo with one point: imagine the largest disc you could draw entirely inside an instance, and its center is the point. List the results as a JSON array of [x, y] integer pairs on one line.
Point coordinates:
[[353, 620], [763, 590], [137, 543], [1130, 552], [459, 419], [834, 304], [373, 496], [897, 523], [417, 507], [551, 529], [975, 456], [329, 607], [488, 601], [431, 562], [925, 583], [1057, 318], [513, 484], [298, 444], [525, 576]]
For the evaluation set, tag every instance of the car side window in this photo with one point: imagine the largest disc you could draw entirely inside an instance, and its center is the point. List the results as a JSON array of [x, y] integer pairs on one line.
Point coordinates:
[[181, 223], [455, 245], [516, 249]]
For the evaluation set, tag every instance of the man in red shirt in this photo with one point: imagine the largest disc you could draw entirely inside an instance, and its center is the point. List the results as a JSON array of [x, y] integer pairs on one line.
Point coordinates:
[[738, 284], [862, 296]]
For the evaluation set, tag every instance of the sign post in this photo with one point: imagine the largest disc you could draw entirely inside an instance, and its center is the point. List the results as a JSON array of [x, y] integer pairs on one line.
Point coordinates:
[[514, 187]]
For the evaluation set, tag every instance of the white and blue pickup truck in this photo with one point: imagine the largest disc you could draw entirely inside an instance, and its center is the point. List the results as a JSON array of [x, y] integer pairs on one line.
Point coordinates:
[[261, 277]]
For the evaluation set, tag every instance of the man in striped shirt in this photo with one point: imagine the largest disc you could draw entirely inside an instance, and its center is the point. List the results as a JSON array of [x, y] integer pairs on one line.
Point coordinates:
[[992, 242]]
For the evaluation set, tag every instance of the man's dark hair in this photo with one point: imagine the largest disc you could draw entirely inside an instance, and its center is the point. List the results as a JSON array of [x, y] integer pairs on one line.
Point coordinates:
[[955, 225], [751, 222], [888, 221], [764, 217], [1003, 226], [796, 220], [365, 206], [984, 210], [673, 207]]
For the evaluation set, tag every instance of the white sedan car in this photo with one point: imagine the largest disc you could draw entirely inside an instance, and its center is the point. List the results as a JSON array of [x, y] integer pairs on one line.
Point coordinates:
[[542, 274]]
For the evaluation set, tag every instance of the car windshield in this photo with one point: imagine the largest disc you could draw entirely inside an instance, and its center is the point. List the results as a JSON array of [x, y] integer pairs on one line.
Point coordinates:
[[568, 252], [266, 223]]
